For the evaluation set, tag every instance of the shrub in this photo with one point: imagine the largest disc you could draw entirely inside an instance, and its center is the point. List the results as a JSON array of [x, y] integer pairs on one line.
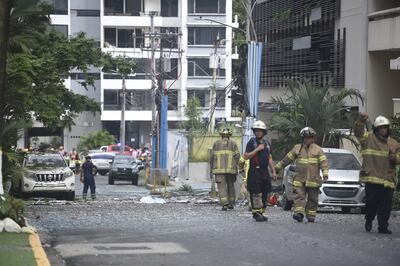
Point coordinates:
[[12, 208]]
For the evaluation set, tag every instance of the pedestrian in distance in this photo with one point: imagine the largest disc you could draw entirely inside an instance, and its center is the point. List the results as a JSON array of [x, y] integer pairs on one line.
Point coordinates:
[[224, 165], [87, 178], [381, 155], [309, 160], [258, 151]]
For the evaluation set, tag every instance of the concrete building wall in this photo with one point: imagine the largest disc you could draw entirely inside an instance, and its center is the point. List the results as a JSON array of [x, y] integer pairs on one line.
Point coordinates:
[[383, 83]]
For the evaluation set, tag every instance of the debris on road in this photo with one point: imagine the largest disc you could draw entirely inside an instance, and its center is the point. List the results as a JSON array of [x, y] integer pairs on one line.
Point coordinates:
[[151, 200]]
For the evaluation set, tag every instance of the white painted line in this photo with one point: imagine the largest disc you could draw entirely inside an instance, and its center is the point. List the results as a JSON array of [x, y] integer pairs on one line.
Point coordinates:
[[73, 250]]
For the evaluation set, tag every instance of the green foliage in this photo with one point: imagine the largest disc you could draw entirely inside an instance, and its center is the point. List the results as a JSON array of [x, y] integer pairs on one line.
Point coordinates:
[[120, 64], [12, 208], [308, 105], [95, 140], [396, 200], [186, 187], [193, 113], [395, 131], [55, 142], [284, 15]]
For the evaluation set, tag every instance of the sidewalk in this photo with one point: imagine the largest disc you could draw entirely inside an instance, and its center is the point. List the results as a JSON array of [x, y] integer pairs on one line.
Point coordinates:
[[20, 249]]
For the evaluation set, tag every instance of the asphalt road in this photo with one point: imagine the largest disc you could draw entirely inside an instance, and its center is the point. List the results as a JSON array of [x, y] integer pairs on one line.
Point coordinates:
[[117, 229]]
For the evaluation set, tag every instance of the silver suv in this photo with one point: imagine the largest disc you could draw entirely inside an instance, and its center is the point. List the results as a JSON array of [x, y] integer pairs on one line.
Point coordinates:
[[343, 189], [45, 173]]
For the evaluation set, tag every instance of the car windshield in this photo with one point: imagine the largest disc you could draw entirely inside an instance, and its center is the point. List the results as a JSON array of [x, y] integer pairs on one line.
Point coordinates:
[[47, 161], [124, 160], [102, 156], [342, 161]]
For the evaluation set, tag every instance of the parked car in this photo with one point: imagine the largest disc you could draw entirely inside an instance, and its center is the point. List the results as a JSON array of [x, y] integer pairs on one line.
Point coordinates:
[[45, 173], [343, 188], [102, 161], [124, 168], [116, 148]]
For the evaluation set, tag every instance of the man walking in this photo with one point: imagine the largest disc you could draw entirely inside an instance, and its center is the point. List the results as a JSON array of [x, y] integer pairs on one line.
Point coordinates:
[[381, 155], [224, 164], [258, 151], [309, 159], [87, 178]]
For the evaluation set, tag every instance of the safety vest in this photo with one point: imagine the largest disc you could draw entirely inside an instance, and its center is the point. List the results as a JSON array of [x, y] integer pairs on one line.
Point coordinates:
[[309, 161], [225, 157], [380, 157]]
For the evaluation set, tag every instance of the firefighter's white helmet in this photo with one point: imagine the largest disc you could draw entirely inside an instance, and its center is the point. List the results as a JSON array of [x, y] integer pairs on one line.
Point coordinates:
[[381, 121], [308, 132], [259, 125]]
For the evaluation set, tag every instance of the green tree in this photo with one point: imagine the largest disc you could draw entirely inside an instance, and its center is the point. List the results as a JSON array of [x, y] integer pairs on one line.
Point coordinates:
[[308, 105], [193, 113], [396, 127], [95, 140]]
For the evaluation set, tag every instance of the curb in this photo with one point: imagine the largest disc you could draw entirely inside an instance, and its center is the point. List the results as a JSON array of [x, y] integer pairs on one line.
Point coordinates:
[[38, 251]]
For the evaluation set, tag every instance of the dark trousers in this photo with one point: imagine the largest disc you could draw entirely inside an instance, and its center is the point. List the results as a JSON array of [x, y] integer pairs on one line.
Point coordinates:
[[88, 181], [378, 202]]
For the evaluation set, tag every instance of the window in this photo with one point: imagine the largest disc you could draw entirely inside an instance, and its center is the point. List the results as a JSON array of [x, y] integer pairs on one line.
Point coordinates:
[[169, 8], [86, 12], [123, 38], [205, 36], [206, 6], [142, 68], [202, 95], [173, 100], [136, 100], [63, 29], [220, 98], [170, 39], [81, 76], [60, 7], [199, 67], [123, 7]]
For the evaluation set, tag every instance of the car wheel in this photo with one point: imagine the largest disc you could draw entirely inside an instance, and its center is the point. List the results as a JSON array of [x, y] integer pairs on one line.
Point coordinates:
[[346, 209], [110, 180], [135, 180], [102, 172], [70, 196]]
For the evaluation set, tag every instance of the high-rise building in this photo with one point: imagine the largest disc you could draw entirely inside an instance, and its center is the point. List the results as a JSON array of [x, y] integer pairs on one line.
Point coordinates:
[[189, 30], [344, 43]]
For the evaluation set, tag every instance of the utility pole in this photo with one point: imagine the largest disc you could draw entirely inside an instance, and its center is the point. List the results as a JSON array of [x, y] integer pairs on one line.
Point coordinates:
[[123, 106], [213, 94], [154, 124]]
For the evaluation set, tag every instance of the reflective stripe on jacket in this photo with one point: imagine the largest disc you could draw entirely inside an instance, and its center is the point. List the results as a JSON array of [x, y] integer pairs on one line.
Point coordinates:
[[244, 166], [225, 157], [309, 161], [380, 157]]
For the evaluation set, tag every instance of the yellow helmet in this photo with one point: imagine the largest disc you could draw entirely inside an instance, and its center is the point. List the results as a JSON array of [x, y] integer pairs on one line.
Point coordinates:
[[225, 132]]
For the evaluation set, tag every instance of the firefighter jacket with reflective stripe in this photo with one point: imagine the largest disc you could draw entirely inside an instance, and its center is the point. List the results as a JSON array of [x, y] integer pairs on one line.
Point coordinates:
[[309, 161], [380, 157], [225, 157]]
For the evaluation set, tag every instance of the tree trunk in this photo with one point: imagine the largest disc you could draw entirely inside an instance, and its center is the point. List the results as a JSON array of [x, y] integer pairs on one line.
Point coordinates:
[[5, 6]]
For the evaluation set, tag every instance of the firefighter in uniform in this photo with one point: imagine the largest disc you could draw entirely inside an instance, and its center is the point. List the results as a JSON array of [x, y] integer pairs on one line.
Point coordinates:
[[258, 151], [381, 155], [309, 159], [224, 164]]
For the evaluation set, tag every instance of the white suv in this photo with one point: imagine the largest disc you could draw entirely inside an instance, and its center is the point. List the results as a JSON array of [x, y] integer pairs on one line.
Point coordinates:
[[45, 173], [343, 188]]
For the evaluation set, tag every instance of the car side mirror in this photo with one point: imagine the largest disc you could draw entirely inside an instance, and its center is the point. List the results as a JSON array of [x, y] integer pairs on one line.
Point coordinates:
[[141, 167], [72, 167]]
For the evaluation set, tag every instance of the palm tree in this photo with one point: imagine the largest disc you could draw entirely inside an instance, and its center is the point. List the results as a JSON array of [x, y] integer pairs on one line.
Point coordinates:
[[317, 107]]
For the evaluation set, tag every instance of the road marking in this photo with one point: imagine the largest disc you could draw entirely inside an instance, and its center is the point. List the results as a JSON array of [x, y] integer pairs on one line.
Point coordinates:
[[73, 250], [38, 252]]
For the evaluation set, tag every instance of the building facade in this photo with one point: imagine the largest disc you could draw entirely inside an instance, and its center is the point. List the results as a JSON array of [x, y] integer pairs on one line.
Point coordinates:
[[344, 43], [187, 32]]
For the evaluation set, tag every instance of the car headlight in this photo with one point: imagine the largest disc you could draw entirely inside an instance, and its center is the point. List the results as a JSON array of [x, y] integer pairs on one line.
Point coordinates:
[[32, 175], [69, 174]]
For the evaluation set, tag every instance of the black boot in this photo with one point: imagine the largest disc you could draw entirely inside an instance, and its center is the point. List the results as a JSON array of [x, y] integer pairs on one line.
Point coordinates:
[[230, 206], [225, 207], [385, 231], [368, 225], [298, 217], [259, 217]]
